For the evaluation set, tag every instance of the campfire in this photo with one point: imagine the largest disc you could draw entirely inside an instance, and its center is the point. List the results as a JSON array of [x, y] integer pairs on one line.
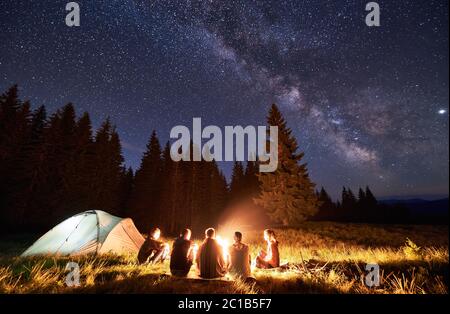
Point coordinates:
[[224, 243]]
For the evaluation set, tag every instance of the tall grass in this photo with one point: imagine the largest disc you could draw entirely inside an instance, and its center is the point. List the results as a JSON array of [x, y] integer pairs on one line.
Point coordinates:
[[318, 258]]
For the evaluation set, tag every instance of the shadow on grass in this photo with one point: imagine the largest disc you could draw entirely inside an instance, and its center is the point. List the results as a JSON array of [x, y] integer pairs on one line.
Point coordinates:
[[154, 283], [166, 284]]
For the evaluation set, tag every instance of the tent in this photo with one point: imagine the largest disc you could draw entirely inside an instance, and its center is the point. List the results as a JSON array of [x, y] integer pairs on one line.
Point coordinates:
[[92, 231]]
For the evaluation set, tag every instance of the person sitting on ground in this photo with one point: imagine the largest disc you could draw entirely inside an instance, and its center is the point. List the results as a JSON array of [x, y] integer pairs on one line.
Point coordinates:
[[210, 260], [182, 255], [271, 257], [240, 260], [153, 250]]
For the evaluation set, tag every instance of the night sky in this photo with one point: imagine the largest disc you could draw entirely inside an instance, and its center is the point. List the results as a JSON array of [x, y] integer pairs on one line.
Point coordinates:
[[367, 105]]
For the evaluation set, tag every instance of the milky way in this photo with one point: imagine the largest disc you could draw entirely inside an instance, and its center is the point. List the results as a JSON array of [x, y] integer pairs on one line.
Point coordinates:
[[368, 105]]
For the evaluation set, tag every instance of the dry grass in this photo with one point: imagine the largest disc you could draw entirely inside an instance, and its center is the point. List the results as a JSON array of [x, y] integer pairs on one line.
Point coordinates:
[[321, 257]]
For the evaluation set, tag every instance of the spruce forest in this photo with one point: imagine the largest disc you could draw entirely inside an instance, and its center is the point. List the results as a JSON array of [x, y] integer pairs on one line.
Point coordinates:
[[54, 165]]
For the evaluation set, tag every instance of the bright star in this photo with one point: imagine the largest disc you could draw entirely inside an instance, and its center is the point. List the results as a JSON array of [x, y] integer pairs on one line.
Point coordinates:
[[442, 111]]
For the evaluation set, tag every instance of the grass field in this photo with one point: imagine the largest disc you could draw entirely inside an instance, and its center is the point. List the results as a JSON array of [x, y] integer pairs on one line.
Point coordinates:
[[321, 257]]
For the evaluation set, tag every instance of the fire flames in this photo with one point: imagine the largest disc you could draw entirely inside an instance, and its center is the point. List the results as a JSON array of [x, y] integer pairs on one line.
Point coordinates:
[[225, 244]]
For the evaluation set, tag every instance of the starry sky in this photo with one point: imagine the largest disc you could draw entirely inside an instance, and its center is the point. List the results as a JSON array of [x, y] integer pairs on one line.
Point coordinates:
[[368, 105]]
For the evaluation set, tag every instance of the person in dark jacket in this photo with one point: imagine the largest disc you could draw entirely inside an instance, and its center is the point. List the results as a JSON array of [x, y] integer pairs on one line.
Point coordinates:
[[182, 255], [153, 250], [271, 257], [240, 259], [210, 260]]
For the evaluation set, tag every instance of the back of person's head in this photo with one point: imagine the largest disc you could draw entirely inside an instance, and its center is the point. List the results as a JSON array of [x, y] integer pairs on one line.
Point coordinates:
[[155, 233], [238, 236], [186, 234], [210, 233], [270, 234]]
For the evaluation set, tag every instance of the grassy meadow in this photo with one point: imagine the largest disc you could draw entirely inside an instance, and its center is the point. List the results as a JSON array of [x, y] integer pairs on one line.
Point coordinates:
[[321, 258]]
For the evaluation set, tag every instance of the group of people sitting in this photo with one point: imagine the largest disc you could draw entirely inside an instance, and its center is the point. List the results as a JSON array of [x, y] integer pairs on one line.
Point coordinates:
[[212, 259]]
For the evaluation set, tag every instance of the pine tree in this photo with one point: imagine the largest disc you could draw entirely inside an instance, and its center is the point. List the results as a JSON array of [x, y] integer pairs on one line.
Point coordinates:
[[251, 182], [14, 127], [48, 192], [108, 170], [79, 167], [145, 198], [126, 188], [370, 198], [361, 212], [287, 194], [327, 209], [60, 145], [14, 138], [237, 184], [27, 171], [115, 171], [349, 204], [219, 193], [176, 196], [361, 197], [167, 189], [100, 173], [372, 207]]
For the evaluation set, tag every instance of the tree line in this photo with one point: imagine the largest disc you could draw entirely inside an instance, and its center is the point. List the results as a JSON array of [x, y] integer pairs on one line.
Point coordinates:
[[54, 166], [363, 208]]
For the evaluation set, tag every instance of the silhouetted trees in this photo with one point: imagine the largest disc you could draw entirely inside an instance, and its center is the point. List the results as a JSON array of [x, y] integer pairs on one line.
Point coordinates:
[[144, 201], [287, 194], [365, 208], [52, 167], [327, 209], [192, 194]]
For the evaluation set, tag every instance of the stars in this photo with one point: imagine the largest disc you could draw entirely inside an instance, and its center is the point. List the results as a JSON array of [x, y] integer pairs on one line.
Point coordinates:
[[358, 101]]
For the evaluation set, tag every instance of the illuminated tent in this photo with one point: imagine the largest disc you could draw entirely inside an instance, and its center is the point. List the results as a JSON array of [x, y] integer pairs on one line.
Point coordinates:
[[92, 231]]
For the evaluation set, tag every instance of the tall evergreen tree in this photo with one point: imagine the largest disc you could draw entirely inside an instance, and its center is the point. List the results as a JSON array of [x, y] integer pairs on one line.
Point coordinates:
[[145, 198], [219, 192], [80, 166], [372, 208], [166, 193], [108, 170], [14, 134], [361, 214], [287, 194], [126, 188], [27, 171], [349, 204], [14, 127], [64, 163], [327, 209], [251, 182], [237, 185], [370, 198], [361, 197]]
